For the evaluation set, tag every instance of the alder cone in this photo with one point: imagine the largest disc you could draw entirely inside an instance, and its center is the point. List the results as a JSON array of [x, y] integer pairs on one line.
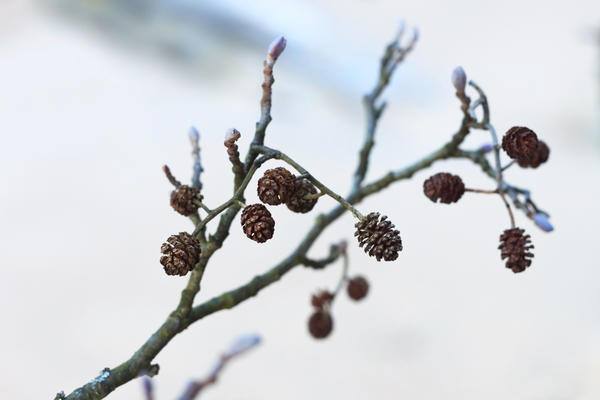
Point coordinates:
[[378, 237], [540, 156], [181, 254], [296, 202], [321, 298], [182, 199], [520, 143], [257, 223], [320, 324], [445, 187], [357, 288], [276, 186], [515, 246]]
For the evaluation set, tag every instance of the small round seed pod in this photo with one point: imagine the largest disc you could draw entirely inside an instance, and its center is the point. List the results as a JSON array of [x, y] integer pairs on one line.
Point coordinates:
[[276, 186], [320, 324], [516, 247], [357, 288], [445, 187], [540, 156], [378, 237], [181, 254], [182, 199], [520, 143], [297, 202], [257, 223], [321, 299]]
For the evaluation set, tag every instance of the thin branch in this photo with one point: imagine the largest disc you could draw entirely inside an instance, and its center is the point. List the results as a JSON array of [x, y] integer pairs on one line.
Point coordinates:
[[273, 54], [495, 191], [242, 345], [281, 156], [238, 196], [197, 168], [170, 176], [334, 254], [231, 137], [394, 54]]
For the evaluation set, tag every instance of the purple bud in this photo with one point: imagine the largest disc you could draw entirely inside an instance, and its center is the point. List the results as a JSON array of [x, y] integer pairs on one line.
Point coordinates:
[[231, 136], [459, 79], [486, 148], [542, 222], [276, 48]]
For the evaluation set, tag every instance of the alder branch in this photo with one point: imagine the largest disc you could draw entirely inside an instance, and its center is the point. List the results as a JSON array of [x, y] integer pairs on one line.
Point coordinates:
[[186, 313]]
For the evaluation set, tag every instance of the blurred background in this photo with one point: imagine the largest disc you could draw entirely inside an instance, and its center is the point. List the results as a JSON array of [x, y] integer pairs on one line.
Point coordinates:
[[97, 95]]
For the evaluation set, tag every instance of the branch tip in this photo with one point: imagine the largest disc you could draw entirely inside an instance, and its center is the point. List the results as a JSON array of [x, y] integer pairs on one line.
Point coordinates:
[[275, 49]]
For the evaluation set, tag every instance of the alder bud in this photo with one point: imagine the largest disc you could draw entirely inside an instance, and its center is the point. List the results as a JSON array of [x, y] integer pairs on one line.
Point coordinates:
[[542, 222], [459, 79], [276, 48], [231, 136]]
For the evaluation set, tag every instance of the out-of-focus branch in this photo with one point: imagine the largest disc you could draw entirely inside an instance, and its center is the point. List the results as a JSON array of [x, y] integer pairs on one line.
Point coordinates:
[[197, 168], [335, 250], [241, 346], [394, 54]]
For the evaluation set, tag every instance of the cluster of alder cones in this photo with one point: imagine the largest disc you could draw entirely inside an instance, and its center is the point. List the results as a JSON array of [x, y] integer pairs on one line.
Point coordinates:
[[320, 323], [523, 146], [375, 233], [277, 186]]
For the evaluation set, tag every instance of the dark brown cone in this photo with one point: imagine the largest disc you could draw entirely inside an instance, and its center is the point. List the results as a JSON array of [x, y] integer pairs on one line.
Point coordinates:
[[257, 223], [320, 324], [182, 199], [276, 186], [378, 237], [321, 298], [181, 254], [445, 187], [520, 143], [539, 157], [357, 288], [296, 202], [515, 246]]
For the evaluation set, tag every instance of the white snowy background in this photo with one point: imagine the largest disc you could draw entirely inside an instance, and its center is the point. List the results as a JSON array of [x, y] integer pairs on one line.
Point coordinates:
[[94, 100]]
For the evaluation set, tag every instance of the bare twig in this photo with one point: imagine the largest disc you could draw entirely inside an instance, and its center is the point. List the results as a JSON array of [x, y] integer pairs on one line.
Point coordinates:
[[281, 156], [394, 54], [170, 176], [242, 345], [275, 50], [197, 162], [232, 136]]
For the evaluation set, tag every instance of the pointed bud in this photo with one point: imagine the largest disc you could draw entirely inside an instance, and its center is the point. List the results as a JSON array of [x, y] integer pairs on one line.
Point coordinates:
[[486, 148], [244, 343], [194, 135], [542, 222], [276, 48], [459, 79], [231, 136]]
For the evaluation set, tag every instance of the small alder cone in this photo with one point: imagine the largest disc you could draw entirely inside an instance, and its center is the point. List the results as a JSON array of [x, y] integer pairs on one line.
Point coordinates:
[[276, 186], [378, 237], [257, 223], [296, 202], [181, 254], [539, 157], [520, 143], [357, 288], [320, 324], [182, 199], [445, 187], [321, 299], [516, 246]]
